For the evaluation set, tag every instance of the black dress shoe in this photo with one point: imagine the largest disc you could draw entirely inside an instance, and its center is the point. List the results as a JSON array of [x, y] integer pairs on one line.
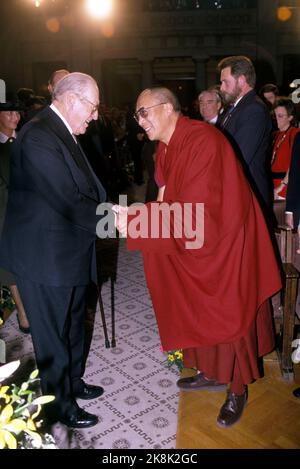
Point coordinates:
[[296, 393], [80, 419], [231, 411], [89, 391]]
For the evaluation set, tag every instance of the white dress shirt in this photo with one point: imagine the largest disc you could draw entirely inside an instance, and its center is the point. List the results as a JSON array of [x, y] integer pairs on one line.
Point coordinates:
[[4, 137]]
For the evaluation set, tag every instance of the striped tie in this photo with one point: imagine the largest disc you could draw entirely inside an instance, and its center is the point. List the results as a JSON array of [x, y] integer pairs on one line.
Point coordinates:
[[227, 117]]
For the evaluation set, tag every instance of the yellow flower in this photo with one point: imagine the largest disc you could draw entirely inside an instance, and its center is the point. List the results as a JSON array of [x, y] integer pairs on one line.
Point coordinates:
[[9, 426], [19, 411], [6, 414], [7, 439], [3, 395], [175, 356]]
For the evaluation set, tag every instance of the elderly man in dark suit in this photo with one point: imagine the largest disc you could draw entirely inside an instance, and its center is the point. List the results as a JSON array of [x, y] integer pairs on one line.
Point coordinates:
[[49, 237], [247, 123]]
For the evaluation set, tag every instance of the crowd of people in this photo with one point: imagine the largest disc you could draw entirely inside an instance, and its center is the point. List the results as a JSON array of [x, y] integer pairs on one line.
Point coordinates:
[[211, 300]]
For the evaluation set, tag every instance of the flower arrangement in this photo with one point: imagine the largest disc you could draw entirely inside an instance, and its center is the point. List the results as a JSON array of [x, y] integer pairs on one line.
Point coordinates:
[[19, 409], [175, 357]]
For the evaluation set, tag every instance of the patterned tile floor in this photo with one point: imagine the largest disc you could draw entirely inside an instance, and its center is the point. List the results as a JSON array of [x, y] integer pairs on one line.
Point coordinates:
[[139, 406]]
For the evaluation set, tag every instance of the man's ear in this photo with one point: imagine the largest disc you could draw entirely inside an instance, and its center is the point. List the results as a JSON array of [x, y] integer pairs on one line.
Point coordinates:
[[169, 108], [70, 99], [242, 81]]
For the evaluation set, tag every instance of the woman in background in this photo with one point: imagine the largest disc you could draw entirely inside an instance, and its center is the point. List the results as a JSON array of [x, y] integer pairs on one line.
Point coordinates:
[[9, 120], [286, 164]]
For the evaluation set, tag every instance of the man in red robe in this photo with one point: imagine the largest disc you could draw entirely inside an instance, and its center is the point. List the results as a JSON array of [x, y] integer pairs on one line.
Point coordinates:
[[211, 299]]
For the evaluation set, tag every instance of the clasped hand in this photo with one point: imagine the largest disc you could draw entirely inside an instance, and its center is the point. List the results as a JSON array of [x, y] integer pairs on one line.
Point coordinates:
[[121, 219]]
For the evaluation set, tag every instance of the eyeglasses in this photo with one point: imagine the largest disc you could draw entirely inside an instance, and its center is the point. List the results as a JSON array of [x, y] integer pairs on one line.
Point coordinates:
[[95, 107], [143, 112], [281, 116], [207, 103]]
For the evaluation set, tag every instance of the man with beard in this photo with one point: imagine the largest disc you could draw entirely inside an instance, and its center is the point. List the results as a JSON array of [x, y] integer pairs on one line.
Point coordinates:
[[247, 123]]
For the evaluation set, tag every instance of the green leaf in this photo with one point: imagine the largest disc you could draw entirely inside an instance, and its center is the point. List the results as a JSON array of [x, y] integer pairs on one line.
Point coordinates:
[[26, 393]]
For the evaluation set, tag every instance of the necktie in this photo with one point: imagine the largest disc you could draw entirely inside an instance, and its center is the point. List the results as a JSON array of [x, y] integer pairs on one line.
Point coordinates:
[[82, 164], [227, 116]]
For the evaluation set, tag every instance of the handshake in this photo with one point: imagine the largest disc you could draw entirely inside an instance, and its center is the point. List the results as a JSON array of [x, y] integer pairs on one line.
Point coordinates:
[[120, 213]]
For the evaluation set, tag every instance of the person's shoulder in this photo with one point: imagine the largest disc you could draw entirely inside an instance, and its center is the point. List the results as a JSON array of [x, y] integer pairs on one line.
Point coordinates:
[[253, 102], [254, 109], [196, 127], [37, 127], [203, 133]]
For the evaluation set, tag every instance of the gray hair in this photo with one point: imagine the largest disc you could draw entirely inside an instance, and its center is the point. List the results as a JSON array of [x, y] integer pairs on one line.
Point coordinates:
[[164, 95], [75, 82], [213, 91]]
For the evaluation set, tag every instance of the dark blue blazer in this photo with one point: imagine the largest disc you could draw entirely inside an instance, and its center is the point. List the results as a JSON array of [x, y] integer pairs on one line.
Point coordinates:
[[249, 130], [50, 227]]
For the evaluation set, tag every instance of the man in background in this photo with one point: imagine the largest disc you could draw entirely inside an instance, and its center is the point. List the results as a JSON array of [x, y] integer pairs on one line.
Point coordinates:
[[210, 105], [247, 124], [54, 79]]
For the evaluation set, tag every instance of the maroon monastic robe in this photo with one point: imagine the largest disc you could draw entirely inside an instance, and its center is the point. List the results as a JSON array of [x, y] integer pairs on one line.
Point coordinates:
[[211, 295]]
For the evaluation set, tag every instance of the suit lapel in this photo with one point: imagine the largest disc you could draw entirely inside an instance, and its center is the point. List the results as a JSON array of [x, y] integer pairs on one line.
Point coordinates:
[[91, 187]]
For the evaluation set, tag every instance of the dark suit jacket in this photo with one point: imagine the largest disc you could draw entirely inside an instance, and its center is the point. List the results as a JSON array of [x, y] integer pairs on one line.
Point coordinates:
[[249, 129], [49, 230]]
